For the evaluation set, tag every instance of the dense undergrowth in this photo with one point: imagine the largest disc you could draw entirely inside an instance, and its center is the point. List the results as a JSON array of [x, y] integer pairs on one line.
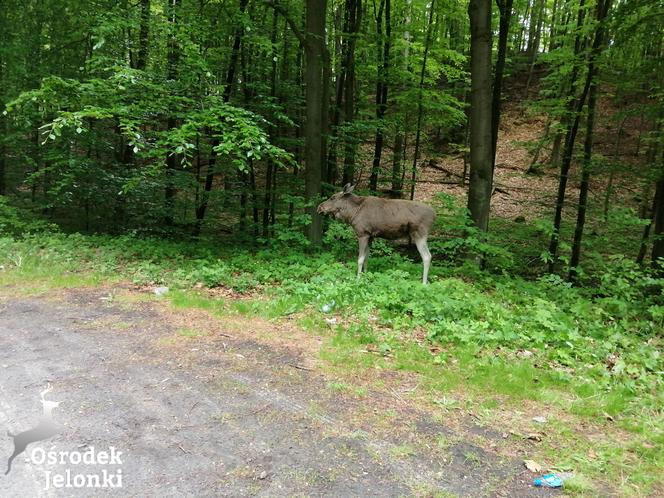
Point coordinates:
[[596, 347]]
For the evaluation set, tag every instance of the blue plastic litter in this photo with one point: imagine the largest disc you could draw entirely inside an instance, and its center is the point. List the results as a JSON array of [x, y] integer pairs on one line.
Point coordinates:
[[549, 481]]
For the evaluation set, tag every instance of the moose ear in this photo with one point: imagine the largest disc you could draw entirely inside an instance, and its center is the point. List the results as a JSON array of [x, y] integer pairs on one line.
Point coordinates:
[[348, 188]]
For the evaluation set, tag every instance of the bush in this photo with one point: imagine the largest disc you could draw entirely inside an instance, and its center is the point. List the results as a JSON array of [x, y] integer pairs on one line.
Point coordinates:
[[16, 222]]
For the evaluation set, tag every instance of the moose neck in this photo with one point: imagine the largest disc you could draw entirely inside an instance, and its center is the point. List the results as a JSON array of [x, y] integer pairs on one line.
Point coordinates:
[[351, 208]]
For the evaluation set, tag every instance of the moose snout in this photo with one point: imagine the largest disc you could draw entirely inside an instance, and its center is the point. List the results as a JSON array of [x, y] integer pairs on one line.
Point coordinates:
[[320, 209]]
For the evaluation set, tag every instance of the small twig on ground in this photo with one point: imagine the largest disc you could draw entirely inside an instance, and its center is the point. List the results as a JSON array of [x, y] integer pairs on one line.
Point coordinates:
[[396, 395], [300, 367], [192, 407]]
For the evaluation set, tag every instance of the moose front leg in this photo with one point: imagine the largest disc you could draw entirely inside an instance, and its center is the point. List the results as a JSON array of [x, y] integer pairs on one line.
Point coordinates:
[[363, 252]]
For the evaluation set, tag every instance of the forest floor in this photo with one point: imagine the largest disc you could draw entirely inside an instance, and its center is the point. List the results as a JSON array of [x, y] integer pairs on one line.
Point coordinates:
[[617, 139], [235, 407]]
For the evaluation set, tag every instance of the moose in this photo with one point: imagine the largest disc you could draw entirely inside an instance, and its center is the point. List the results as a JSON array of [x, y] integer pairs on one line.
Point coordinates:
[[384, 218]]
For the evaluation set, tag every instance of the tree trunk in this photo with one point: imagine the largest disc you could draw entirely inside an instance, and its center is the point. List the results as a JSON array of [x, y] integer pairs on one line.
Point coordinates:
[[554, 160], [505, 7], [532, 167], [658, 225], [254, 198], [532, 26], [398, 155], [522, 32], [228, 89], [603, 7], [381, 88], [420, 106], [143, 37], [575, 106], [355, 18], [4, 28], [336, 116], [552, 28], [271, 166], [3, 162], [316, 11], [481, 170], [538, 31], [173, 58], [397, 165], [609, 186]]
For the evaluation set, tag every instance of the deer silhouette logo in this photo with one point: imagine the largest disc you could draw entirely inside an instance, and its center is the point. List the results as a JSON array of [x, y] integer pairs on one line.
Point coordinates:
[[45, 429]]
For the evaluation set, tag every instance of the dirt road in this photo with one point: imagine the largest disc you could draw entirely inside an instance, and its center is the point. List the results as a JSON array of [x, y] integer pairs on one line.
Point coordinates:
[[220, 415]]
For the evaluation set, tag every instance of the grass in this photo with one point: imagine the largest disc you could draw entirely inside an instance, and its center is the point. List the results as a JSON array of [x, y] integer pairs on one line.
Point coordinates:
[[505, 348], [402, 451], [190, 333]]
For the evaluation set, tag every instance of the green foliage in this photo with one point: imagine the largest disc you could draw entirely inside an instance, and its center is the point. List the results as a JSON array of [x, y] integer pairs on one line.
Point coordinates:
[[15, 222], [461, 237], [611, 335]]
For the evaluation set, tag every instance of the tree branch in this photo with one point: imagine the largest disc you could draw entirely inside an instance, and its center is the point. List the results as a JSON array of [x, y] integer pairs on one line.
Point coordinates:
[[291, 23]]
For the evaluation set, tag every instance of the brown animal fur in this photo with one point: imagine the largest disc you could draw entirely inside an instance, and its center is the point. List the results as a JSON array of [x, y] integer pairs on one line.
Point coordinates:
[[384, 218]]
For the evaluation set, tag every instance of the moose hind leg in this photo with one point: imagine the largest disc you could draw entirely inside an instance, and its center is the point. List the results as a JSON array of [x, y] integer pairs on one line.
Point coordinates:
[[423, 249], [362, 254]]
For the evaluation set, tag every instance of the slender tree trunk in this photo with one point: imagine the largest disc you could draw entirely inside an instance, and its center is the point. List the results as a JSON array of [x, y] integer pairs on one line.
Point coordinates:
[[355, 18], [143, 37], [127, 150], [533, 44], [3, 148], [341, 26], [583, 187], [658, 224], [420, 96], [299, 64], [538, 31], [645, 235], [554, 160], [505, 7], [172, 71], [228, 90], [271, 166], [397, 165], [576, 106], [522, 32], [532, 167], [398, 170], [4, 28], [552, 27], [603, 7], [466, 145], [3, 162], [254, 198], [532, 27], [325, 115], [481, 148], [313, 82], [381, 88], [609, 187]]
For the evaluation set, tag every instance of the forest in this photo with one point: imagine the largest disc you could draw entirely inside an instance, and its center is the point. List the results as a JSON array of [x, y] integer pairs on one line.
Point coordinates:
[[186, 144]]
